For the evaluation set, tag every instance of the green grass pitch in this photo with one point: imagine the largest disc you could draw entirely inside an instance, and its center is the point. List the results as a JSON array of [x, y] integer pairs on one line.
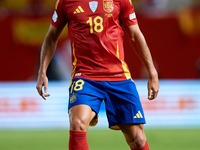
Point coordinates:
[[105, 139]]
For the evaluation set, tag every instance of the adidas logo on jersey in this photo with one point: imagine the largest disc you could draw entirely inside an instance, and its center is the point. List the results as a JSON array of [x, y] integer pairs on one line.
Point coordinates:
[[138, 115], [79, 10]]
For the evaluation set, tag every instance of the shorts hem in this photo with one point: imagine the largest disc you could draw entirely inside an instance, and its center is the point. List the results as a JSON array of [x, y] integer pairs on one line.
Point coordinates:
[[116, 127]]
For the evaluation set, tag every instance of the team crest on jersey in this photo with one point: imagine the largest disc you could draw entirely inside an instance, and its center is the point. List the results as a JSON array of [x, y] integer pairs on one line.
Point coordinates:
[[55, 16], [108, 5], [93, 5]]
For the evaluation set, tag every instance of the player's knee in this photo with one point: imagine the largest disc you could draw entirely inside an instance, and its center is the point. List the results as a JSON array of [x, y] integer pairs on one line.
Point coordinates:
[[139, 141], [77, 124]]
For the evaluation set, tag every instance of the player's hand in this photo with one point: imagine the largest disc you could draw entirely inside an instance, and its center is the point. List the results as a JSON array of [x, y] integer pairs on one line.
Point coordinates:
[[42, 81], [153, 88]]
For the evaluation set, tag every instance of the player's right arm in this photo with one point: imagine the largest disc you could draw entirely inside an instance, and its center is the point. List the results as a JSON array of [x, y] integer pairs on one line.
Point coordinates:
[[47, 52]]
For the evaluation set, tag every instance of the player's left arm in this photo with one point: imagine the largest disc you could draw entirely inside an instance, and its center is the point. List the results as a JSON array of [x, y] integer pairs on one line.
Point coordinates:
[[140, 46]]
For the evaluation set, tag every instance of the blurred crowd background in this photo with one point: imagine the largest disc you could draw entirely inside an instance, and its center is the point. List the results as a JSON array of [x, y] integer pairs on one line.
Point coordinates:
[[171, 28]]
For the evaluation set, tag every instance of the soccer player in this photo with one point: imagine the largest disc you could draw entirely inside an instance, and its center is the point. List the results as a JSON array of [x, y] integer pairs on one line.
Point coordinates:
[[96, 30]]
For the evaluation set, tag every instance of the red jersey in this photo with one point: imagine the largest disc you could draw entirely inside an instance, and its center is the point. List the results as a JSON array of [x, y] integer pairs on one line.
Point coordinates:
[[96, 35]]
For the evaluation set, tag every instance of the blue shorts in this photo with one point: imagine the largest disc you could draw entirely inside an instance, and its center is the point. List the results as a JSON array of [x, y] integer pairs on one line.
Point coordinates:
[[121, 98]]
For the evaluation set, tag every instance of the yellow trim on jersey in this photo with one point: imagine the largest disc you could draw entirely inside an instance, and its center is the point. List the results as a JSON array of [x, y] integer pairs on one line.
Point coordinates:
[[126, 71], [57, 4], [75, 60], [117, 50]]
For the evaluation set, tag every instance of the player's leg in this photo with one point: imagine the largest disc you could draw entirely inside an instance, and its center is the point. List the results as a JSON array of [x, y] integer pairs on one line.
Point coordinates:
[[84, 104], [79, 117], [125, 112], [135, 136]]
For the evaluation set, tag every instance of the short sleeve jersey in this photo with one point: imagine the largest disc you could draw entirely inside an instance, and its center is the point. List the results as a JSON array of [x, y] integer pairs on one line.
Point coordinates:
[[95, 30]]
